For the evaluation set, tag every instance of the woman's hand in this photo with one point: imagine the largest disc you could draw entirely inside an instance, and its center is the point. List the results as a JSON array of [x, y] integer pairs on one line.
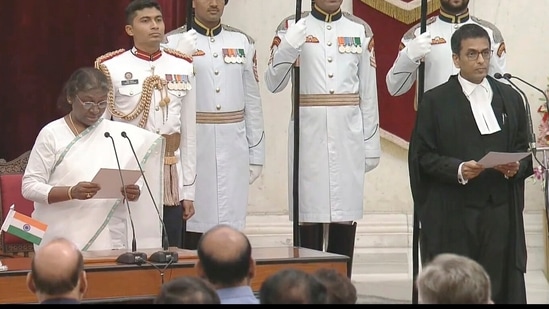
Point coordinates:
[[84, 190], [132, 192]]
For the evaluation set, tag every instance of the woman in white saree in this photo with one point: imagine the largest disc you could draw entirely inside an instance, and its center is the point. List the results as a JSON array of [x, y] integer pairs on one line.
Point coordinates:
[[67, 154]]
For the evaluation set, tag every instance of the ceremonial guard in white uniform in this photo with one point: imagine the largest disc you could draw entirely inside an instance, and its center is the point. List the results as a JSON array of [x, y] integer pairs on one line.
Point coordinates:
[[157, 92], [230, 134], [339, 121], [434, 47]]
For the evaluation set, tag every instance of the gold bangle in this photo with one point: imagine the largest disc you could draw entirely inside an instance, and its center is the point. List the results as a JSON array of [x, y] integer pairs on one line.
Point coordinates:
[[69, 193]]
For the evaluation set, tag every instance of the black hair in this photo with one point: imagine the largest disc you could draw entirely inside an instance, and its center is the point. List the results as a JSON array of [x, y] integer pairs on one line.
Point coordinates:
[[58, 285], [467, 31], [83, 79], [225, 272], [187, 290], [138, 5], [292, 286]]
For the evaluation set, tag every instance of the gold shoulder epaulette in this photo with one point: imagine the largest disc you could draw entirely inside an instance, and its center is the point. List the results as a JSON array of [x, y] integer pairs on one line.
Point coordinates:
[[107, 56], [178, 54]]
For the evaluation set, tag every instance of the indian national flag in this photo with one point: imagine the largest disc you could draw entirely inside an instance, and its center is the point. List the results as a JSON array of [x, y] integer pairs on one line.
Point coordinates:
[[24, 227]]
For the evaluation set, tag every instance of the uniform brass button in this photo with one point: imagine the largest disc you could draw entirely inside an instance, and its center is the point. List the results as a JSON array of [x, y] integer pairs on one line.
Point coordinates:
[[330, 75], [218, 107], [329, 27], [212, 40], [216, 72], [215, 55], [157, 131], [329, 59], [157, 108], [131, 92], [329, 43], [332, 91], [217, 90]]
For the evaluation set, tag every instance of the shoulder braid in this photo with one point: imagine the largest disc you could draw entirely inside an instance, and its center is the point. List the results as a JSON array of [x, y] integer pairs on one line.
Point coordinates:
[[283, 24], [107, 56], [411, 33], [178, 54], [498, 37], [174, 32], [233, 29], [367, 29]]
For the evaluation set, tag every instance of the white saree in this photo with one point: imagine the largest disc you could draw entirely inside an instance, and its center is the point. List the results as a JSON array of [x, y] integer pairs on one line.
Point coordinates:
[[60, 159]]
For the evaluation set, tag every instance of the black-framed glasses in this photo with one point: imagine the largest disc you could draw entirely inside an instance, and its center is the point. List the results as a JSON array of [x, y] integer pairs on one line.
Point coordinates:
[[472, 55], [89, 105]]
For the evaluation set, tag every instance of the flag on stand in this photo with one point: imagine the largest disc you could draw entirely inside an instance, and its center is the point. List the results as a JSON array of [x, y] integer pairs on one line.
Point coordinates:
[[24, 226]]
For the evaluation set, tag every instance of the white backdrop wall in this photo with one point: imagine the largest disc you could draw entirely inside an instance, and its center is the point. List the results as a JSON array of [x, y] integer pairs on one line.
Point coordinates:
[[524, 26]]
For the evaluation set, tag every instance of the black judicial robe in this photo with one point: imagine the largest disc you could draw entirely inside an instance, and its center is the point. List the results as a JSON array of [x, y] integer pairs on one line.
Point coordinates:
[[445, 135]]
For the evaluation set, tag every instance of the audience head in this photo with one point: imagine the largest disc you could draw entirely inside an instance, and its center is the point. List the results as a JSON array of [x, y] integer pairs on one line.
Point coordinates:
[[453, 279], [292, 286], [340, 288], [187, 290], [57, 271], [225, 257]]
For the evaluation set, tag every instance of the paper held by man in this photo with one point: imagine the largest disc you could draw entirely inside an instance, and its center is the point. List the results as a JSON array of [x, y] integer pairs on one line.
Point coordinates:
[[109, 180], [494, 158]]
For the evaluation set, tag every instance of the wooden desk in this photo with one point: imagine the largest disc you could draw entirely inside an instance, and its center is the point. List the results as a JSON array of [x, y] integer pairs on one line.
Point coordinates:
[[108, 281]]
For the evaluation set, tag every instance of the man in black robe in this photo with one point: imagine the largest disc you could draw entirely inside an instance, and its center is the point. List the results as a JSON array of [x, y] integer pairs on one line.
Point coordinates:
[[465, 208]]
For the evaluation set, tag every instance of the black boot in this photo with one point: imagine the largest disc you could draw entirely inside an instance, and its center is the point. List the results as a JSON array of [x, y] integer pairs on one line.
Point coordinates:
[[312, 236], [341, 240], [191, 240]]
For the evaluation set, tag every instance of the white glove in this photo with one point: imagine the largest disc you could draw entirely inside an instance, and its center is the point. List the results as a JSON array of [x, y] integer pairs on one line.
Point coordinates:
[[296, 34], [419, 47], [187, 42], [371, 163], [255, 171]]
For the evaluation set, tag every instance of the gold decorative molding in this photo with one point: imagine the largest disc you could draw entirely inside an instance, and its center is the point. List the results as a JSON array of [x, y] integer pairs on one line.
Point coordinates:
[[406, 12]]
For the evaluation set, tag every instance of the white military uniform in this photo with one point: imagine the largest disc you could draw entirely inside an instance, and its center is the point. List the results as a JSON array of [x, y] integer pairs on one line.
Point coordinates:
[[230, 134], [128, 71], [339, 120], [438, 63]]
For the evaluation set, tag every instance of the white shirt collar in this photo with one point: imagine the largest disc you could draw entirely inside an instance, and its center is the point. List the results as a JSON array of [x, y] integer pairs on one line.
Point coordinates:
[[480, 99]]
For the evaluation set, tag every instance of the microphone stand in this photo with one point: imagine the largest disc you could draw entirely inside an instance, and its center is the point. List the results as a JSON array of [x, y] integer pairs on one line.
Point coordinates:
[[132, 257], [164, 256], [531, 135], [527, 83]]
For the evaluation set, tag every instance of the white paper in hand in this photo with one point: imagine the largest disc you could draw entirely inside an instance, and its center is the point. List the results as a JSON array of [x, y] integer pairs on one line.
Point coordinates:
[[493, 158], [109, 180]]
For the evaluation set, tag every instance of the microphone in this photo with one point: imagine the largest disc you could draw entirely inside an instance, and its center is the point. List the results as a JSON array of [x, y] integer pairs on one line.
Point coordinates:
[[531, 135], [164, 256], [128, 257], [508, 75]]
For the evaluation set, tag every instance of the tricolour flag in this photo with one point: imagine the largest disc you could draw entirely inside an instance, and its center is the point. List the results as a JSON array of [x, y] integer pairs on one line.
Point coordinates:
[[24, 226]]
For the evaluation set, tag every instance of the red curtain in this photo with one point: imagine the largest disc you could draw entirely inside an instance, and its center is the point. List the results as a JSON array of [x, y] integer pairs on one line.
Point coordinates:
[[42, 44], [173, 12], [396, 114]]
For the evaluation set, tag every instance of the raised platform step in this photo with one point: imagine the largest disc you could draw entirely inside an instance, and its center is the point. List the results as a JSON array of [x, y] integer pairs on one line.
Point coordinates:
[[383, 241]]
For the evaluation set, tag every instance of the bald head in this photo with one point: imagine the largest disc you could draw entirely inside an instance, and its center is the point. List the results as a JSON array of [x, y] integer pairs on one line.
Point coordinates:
[[57, 269], [225, 256], [225, 243]]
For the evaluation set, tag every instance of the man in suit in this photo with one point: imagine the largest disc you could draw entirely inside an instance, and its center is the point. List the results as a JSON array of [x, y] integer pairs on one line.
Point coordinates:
[[464, 207], [57, 273], [225, 260]]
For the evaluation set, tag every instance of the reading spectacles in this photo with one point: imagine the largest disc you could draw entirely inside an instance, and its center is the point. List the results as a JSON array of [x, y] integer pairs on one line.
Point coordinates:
[[89, 105], [472, 55]]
